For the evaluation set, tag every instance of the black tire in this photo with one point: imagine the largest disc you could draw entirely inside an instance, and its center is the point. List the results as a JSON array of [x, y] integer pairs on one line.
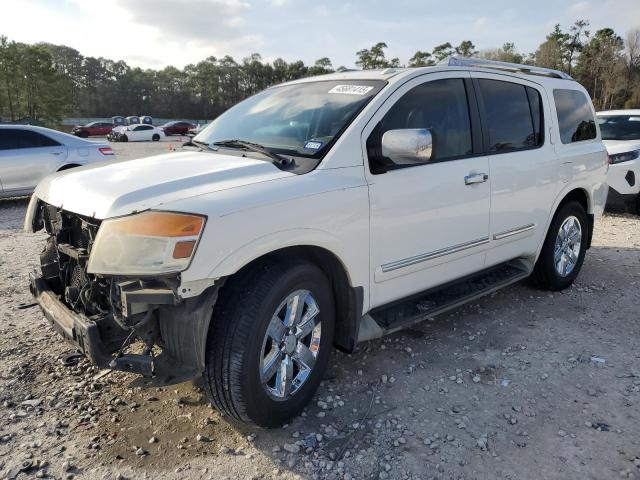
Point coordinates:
[[123, 138], [545, 276], [155, 137], [83, 135], [637, 210], [235, 341]]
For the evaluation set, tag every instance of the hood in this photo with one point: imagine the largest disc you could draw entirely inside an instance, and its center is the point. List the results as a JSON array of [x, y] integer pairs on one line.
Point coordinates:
[[120, 188], [621, 146]]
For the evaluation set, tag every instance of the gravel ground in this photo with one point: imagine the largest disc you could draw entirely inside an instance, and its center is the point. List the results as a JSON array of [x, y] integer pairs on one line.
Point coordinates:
[[521, 384]]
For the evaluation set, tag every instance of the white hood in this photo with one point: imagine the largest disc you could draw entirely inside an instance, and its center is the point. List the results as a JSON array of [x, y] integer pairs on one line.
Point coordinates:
[[120, 188], [621, 146]]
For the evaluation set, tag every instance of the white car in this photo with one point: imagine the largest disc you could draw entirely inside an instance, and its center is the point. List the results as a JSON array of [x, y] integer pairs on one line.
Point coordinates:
[[136, 133], [621, 135], [321, 213], [29, 153]]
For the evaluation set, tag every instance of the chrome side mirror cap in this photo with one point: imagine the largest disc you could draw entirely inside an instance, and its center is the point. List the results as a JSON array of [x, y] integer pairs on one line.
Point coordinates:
[[408, 146]]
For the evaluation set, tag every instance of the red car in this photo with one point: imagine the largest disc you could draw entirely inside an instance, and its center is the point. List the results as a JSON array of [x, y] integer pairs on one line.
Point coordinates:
[[92, 129], [178, 127]]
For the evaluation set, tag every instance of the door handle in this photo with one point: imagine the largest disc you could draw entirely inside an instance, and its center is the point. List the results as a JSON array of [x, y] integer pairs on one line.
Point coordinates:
[[475, 178], [57, 153]]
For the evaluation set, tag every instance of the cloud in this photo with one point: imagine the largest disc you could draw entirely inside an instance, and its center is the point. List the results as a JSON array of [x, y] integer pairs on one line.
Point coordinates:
[[204, 21]]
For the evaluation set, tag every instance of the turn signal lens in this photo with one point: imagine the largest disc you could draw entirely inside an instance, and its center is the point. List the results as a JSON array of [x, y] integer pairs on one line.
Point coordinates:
[[160, 224], [183, 249]]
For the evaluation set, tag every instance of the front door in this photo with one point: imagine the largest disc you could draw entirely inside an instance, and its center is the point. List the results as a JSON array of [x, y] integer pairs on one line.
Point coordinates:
[[429, 222]]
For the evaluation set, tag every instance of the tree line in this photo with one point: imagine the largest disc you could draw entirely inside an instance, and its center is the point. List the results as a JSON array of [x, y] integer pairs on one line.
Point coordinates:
[[47, 82]]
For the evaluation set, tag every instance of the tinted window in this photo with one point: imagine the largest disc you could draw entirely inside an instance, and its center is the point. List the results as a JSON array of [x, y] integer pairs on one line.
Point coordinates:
[[143, 127], [535, 105], [509, 115], [620, 127], [440, 106], [8, 139], [575, 118]]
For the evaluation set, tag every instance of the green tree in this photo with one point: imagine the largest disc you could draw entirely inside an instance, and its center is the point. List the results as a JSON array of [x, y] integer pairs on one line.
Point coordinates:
[[466, 49], [506, 53], [421, 59], [442, 51], [375, 58]]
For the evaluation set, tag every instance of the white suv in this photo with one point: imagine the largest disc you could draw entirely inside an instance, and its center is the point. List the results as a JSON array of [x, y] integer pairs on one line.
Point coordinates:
[[621, 135], [321, 213]]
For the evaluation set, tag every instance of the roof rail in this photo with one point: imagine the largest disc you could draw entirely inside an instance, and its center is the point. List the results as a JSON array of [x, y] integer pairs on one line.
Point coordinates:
[[506, 66]]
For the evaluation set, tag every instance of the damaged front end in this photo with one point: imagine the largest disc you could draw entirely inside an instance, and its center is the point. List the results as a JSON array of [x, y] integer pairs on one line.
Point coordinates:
[[139, 325]]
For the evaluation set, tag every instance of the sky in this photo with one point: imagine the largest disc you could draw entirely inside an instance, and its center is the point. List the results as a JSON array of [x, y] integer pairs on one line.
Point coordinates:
[[157, 33]]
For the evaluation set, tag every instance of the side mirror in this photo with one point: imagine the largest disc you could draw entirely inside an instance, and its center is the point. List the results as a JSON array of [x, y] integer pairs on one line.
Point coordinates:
[[408, 146]]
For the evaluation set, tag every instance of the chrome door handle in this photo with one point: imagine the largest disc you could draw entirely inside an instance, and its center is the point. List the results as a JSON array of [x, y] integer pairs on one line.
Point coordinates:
[[57, 153], [476, 178]]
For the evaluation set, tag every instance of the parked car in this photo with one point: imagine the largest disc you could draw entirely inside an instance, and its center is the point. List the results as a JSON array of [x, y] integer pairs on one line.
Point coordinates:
[[136, 133], [29, 153], [177, 128], [621, 135], [92, 129], [320, 213]]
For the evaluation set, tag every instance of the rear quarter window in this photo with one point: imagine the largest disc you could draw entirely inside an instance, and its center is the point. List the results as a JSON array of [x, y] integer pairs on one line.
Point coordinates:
[[575, 117]]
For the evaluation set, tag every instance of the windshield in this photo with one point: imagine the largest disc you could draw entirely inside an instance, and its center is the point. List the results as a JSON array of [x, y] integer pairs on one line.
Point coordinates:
[[620, 127], [302, 119]]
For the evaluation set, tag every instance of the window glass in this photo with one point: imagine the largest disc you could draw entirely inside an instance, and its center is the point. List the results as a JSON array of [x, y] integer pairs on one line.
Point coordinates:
[[302, 119], [509, 116], [31, 139], [575, 118], [8, 139], [535, 105], [440, 106], [620, 127]]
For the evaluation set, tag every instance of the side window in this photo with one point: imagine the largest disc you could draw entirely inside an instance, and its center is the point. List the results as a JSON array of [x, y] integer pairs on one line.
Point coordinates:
[[442, 107], [144, 127], [8, 139], [513, 115], [30, 139], [575, 118]]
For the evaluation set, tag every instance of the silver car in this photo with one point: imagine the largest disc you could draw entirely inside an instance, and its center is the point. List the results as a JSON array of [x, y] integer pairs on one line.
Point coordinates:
[[29, 153]]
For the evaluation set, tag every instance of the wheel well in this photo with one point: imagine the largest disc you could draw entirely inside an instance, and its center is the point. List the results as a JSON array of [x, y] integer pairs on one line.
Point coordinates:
[[348, 299], [68, 166], [580, 196]]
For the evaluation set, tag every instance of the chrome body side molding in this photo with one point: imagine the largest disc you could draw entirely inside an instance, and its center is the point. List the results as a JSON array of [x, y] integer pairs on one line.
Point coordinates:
[[423, 257], [514, 231]]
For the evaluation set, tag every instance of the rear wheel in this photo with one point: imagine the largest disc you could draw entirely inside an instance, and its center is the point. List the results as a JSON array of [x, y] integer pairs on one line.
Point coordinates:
[[564, 249], [269, 343]]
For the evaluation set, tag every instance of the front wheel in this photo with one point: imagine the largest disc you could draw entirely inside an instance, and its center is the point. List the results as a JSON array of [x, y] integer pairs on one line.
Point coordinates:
[[124, 138], [564, 249], [269, 343], [155, 137]]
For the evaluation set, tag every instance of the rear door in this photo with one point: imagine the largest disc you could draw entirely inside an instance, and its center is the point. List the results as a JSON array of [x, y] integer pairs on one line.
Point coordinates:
[[522, 162], [429, 222], [26, 156]]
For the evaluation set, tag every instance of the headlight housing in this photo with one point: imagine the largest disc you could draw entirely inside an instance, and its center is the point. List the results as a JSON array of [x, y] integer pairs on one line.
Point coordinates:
[[147, 243], [624, 157]]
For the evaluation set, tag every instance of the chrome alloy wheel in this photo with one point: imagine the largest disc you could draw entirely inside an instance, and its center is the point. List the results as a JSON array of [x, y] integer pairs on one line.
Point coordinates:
[[291, 345], [567, 247]]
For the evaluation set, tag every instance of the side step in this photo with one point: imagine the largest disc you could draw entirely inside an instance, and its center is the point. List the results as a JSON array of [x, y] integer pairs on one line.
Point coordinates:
[[406, 312]]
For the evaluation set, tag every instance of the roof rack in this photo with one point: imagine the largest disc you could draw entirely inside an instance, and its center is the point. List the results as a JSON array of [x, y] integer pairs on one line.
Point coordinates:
[[506, 66]]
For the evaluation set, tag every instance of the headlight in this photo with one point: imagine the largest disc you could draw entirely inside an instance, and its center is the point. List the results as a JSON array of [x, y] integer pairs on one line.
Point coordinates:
[[624, 157], [145, 244]]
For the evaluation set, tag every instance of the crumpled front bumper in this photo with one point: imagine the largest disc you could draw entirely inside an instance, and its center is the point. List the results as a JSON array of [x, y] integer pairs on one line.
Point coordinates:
[[77, 329]]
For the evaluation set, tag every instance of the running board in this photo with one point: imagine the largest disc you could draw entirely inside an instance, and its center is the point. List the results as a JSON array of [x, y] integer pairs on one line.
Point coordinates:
[[406, 312]]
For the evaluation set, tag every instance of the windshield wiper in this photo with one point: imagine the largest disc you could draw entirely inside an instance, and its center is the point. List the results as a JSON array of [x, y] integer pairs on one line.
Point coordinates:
[[254, 147], [200, 144]]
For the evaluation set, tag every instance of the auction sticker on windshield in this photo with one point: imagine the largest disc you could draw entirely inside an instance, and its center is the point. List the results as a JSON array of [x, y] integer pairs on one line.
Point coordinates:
[[351, 89]]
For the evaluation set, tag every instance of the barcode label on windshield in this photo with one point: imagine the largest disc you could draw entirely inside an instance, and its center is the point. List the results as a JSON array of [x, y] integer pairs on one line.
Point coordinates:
[[351, 89]]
